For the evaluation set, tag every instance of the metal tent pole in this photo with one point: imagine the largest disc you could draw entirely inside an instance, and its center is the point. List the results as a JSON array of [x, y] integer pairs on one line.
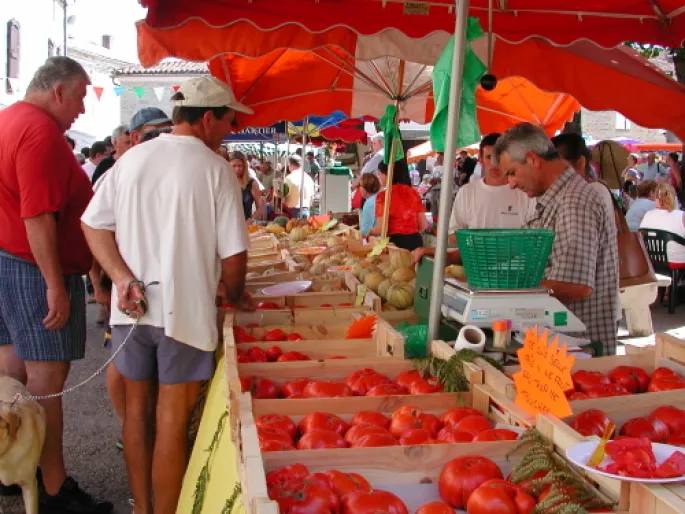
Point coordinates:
[[305, 127], [447, 183]]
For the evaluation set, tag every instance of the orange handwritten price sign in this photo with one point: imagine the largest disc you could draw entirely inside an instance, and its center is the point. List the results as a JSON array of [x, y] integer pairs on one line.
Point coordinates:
[[545, 375]]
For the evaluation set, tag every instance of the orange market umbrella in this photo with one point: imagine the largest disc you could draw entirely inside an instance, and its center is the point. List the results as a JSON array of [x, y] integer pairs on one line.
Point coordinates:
[[198, 30]]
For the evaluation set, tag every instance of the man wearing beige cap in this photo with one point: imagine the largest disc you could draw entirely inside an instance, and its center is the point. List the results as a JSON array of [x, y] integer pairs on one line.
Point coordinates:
[[169, 213]]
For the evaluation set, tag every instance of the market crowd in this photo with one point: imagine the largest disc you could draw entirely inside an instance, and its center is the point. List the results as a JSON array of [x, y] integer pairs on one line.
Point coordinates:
[[155, 215]]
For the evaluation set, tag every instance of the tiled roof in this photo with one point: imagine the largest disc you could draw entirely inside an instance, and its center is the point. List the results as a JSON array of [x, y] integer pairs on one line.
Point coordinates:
[[175, 67]]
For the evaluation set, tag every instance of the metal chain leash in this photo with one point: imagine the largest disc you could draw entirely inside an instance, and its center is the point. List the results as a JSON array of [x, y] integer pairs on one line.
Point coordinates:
[[143, 305]]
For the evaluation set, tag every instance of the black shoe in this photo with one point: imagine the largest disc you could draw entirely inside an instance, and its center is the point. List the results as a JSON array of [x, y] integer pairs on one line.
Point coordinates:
[[71, 499], [9, 490]]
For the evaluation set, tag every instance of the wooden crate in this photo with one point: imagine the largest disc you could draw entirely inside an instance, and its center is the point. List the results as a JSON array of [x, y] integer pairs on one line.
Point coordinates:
[[277, 264], [669, 352], [497, 405], [264, 241], [409, 472], [256, 256]]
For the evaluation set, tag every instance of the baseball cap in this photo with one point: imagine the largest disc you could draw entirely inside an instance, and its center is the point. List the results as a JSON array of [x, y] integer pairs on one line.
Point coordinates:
[[148, 116], [207, 91]]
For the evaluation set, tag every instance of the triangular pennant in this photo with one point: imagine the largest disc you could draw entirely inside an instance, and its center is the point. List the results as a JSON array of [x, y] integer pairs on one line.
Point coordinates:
[[159, 92], [98, 91], [14, 84], [139, 91], [175, 88], [119, 90]]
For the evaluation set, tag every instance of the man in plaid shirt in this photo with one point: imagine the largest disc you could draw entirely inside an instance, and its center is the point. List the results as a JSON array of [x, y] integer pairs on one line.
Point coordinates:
[[583, 269]]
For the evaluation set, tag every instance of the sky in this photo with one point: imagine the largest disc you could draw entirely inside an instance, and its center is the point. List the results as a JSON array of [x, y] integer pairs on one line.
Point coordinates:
[[93, 18]]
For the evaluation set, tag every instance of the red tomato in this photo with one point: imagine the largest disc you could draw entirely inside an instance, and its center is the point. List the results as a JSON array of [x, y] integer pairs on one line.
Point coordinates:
[[632, 379], [676, 439], [452, 435], [273, 445], [257, 354], [357, 432], [289, 473], [473, 425], [295, 337], [370, 417], [386, 390], [244, 337], [273, 434], [660, 373], [277, 421], [305, 498], [402, 423], [591, 422], [375, 441], [264, 389], [672, 467], [326, 305], [322, 421], [358, 374], [319, 439], [463, 475], [364, 384], [374, 502], [425, 387], [324, 389], [275, 334], [273, 353], [295, 387], [406, 378], [672, 417], [268, 305], [345, 305], [576, 396], [651, 428], [452, 416], [292, 356], [243, 357], [415, 436], [584, 380], [431, 423], [246, 384], [527, 484], [408, 410], [500, 497], [606, 391], [347, 483], [435, 508], [239, 330], [666, 384], [496, 434]]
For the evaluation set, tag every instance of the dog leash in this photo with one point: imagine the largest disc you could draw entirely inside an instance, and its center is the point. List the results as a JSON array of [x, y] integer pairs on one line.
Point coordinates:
[[142, 303]]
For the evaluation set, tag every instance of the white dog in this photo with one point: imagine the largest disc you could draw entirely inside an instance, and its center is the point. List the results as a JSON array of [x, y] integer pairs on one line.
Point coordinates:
[[22, 433]]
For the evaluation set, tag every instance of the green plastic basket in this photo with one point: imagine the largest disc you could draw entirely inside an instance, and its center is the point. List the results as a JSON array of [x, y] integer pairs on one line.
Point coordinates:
[[505, 258]]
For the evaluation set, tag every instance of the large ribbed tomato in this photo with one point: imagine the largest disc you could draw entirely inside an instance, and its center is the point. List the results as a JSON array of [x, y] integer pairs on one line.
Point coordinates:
[[473, 425], [463, 475], [347, 483], [450, 434], [320, 439], [289, 473], [435, 508], [370, 417], [295, 388], [326, 389], [634, 380], [277, 421], [357, 432], [364, 384], [584, 380], [500, 497], [672, 417], [375, 441], [453, 416], [651, 428], [415, 436], [358, 374], [591, 422], [323, 421], [374, 502]]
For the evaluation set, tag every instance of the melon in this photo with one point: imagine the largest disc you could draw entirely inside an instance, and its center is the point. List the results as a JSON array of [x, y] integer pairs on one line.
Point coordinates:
[[357, 269], [282, 221], [365, 272], [455, 271], [388, 308], [320, 257], [388, 272], [383, 288], [297, 234], [334, 241], [373, 280], [400, 296], [351, 261], [318, 269], [402, 275], [400, 258], [274, 228]]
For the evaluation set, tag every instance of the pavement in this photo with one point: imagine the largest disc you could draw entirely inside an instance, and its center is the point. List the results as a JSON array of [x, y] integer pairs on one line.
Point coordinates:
[[90, 431]]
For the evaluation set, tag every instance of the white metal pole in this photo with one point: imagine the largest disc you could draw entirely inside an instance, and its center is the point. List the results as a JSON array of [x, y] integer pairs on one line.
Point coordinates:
[[305, 127], [447, 182]]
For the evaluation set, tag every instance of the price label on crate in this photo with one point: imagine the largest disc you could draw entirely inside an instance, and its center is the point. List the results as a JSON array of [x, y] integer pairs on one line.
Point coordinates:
[[379, 247], [545, 375]]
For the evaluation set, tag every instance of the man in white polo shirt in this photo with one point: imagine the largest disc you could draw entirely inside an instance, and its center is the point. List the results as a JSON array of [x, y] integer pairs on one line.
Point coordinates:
[[485, 203], [169, 211]]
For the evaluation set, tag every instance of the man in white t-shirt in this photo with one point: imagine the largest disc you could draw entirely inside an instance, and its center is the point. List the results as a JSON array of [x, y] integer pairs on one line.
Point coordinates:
[[297, 179], [486, 203], [169, 213]]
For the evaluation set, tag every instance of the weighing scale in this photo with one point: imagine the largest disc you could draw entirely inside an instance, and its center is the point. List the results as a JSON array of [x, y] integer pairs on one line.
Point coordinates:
[[468, 306]]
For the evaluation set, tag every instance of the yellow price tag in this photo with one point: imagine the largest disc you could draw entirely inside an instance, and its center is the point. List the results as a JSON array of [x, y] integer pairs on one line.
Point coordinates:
[[380, 246], [361, 294]]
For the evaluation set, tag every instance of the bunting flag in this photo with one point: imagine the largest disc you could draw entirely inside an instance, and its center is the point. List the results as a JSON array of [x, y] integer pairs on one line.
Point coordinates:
[[119, 90], [98, 91], [175, 88], [159, 92], [139, 91]]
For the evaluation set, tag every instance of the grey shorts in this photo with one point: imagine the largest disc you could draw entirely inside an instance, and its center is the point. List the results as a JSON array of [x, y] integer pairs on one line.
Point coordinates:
[[149, 354]]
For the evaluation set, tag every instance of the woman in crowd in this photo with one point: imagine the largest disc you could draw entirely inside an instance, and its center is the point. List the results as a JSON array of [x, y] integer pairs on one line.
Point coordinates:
[[407, 218], [631, 173], [675, 173], [669, 218], [251, 195], [640, 206], [369, 186]]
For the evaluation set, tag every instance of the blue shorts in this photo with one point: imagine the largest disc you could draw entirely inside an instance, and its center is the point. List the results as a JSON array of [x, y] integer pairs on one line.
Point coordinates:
[[23, 306]]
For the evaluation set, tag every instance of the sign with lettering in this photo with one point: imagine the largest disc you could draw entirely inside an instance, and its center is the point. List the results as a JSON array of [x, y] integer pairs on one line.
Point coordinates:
[[545, 375], [421, 8], [258, 134]]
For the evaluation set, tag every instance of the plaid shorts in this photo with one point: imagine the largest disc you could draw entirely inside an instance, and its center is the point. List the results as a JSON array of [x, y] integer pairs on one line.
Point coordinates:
[[23, 306]]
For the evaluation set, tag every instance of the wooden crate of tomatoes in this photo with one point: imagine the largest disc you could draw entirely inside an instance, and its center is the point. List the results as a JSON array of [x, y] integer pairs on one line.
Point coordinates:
[[400, 454]]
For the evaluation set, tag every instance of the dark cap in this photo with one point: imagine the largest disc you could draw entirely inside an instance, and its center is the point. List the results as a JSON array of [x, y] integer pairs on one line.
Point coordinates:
[[148, 116]]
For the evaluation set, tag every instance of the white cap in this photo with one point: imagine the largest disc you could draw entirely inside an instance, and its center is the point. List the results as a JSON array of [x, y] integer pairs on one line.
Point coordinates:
[[207, 91]]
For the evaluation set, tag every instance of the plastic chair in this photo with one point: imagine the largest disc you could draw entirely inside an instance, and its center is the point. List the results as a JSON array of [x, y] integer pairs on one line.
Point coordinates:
[[656, 241]]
